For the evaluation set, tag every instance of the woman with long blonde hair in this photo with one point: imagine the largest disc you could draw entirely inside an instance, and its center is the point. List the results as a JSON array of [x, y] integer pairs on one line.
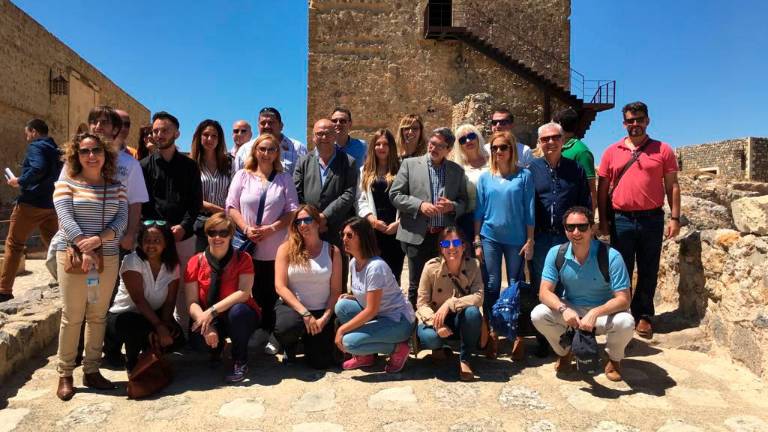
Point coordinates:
[[473, 157], [308, 281], [410, 137], [376, 176]]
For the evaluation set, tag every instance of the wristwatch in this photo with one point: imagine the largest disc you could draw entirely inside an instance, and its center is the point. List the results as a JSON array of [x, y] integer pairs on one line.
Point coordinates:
[[214, 312], [562, 308], [306, 314]]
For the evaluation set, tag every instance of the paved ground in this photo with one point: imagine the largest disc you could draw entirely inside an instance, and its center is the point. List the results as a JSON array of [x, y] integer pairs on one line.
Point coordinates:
[[665, 390]]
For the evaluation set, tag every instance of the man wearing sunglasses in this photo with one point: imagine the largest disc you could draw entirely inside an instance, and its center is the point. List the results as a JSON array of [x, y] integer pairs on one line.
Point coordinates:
[[291, 150], [635, 175], [241, 134], [502, 120], [342, 123], [590, 302], [430, 192]]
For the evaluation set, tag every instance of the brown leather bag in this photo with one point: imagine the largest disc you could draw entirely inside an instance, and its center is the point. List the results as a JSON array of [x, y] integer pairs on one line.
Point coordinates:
[[151, 373], [74, 261]]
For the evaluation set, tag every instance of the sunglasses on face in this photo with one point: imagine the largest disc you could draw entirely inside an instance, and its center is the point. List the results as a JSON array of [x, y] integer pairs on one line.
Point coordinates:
[[500, 122], [468, 137], [635, 120], [96, 151], [500, 147], [217, 233], [239, 131], [339, 120], [445, 244], [583, 227], [303, 221], [154, 222], [552, 138]]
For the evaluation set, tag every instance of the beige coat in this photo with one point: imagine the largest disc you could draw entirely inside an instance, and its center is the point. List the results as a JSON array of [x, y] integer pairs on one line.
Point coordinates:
[[436, 288]]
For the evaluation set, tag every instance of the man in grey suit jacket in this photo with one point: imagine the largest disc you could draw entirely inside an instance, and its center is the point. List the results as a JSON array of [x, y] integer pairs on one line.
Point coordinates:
[[327, 179], [430, 192]]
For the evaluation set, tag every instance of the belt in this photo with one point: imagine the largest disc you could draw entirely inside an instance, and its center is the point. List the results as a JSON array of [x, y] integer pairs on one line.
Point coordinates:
[[435, 230], [640, 213]]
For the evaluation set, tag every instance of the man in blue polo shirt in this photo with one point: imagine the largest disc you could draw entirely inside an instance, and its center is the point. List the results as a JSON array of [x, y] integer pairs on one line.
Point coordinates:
[[342, 123], [589, 302]]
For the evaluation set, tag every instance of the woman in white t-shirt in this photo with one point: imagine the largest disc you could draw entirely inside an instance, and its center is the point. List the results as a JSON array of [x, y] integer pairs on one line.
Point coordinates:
[[377, 317], [308, 281], [146, 297]]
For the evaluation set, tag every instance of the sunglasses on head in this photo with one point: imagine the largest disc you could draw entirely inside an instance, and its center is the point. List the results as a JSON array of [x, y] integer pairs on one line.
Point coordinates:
[[583, 227], [304, 221], [154, 222], [96, 151], [223, 233], [468, 137], [445, 244], [500, 147]]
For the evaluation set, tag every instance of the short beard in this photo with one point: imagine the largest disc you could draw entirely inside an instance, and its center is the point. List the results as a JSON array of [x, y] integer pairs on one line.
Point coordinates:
[[163, 147]]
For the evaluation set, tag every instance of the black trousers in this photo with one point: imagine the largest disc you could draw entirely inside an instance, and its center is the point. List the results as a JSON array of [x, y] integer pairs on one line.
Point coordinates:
[[418, 255], [289, 329], [133, 329], [264, 292], [391, 252]]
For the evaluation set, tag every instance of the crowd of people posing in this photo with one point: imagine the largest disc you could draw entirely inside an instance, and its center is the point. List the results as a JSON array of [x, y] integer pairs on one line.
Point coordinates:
[[309, 246]]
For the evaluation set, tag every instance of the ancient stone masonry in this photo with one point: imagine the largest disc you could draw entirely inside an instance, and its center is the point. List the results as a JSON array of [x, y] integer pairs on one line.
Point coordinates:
[[371, 56], [41, 77], [742, 158]]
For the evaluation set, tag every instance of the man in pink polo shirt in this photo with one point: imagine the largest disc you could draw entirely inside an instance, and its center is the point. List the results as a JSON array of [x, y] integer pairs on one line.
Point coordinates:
[[637, 228]]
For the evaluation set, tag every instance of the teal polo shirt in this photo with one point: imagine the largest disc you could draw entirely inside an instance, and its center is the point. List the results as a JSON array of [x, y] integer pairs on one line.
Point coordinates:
[[584, 284]]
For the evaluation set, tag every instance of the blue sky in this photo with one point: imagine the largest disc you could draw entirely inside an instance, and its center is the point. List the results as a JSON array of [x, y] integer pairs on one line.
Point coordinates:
[[700, 65]]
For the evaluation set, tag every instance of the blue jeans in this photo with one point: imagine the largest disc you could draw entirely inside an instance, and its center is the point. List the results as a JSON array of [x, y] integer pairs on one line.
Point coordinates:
[[638, 238], [378, 336], [238, 323], [465, 325], [492, 254], [543, 243]]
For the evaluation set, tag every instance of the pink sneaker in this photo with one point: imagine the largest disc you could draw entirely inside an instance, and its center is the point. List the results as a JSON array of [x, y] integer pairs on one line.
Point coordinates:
[[398, 358], [357, 362]]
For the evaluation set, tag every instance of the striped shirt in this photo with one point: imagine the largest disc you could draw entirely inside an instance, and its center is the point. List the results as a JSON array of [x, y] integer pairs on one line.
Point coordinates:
[[79, 207], [437, 183], [215, 186]]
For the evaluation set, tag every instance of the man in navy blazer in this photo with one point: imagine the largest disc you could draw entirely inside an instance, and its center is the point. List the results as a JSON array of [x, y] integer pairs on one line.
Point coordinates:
[[430, 192]]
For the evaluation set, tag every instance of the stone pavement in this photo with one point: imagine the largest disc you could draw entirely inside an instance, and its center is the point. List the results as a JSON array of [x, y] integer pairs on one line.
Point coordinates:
[[665, 390]]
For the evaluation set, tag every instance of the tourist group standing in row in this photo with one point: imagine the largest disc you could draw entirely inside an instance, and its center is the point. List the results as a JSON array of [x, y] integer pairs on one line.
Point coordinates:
[[267, 236]]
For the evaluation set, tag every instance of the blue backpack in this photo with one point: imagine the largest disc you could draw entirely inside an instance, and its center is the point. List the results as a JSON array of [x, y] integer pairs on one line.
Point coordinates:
[[506, 310]]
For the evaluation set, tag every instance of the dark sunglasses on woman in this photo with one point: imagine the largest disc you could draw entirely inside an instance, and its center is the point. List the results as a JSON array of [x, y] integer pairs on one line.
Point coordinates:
[[445, 244]]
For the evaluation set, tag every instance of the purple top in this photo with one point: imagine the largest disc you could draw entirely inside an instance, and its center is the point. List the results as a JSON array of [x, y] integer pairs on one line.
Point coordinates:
[[243, 196]]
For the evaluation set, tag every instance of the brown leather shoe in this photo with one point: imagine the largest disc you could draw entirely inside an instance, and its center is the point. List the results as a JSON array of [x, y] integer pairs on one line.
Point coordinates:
[[465, 372], [613, 370], [518, 349], [97, 381], [492, 348], [644, 329], [66, 388], [563, 363]]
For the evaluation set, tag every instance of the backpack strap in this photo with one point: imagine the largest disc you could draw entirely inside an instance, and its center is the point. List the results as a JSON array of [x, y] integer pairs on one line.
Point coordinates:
[[560, 258], [602, 261]]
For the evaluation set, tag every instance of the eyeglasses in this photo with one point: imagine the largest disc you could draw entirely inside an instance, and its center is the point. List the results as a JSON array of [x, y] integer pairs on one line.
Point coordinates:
[[239, 131], [339, 120], [635, 120], [445, 244], [151, 222], [266, 150], [583, 227], [303, 221], [438, 146], [414, 128], [96, 151], [552, 138], [500, 147], [223, 233], [468, 137], [503, 122]]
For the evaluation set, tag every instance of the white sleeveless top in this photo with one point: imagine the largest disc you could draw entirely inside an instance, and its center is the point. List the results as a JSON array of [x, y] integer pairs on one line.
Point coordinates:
[[312, 286]]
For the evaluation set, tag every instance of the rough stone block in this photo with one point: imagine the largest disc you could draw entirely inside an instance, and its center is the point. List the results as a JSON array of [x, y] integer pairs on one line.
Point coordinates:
[[750, 215]]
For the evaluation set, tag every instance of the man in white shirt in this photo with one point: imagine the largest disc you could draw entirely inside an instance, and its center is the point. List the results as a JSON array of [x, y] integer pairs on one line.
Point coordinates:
[[271, 122], [502, 120], [241, 134]]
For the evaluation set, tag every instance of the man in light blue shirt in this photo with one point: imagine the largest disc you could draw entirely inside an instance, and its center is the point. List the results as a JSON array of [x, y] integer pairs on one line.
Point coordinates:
[[589, 301], [342, 123]]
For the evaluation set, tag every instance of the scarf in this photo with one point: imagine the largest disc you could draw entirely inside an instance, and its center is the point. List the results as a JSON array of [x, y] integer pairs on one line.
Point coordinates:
[[217, 273]]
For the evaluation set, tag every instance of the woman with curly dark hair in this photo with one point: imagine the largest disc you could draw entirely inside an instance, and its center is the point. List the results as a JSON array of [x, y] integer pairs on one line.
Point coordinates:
[[145, 146], [93, 210]]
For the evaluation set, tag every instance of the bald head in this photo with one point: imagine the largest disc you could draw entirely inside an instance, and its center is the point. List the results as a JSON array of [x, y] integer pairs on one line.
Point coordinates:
[[241, 132], [324, 136]]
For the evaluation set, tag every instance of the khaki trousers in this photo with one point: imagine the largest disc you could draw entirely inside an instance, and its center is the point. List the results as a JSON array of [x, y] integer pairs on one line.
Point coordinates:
[[24, 219], [76, 308]]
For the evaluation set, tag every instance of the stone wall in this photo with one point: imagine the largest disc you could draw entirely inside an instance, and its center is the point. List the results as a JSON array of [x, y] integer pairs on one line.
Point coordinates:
[[32, 59], [741, 158], [758, 159], [371, 56]]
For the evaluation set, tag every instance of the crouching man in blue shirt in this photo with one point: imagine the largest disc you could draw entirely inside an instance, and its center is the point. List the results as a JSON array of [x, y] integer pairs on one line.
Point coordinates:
[[596, 293]]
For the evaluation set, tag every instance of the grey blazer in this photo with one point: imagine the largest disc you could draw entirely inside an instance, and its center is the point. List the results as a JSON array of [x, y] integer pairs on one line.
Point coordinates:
[[411, 187], [336, 198]]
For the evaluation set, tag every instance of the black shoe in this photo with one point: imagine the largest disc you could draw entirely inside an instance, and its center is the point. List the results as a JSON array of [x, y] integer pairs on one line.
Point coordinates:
[[115, 360], [5, 297], [542, 349]]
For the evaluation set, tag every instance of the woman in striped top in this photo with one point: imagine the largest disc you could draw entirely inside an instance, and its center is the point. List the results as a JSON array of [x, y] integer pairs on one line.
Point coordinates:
[[92, 208], [210, 152]]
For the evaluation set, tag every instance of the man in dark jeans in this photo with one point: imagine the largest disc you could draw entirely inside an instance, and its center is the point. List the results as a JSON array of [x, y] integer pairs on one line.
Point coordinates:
[[638, 191], [34, 206]]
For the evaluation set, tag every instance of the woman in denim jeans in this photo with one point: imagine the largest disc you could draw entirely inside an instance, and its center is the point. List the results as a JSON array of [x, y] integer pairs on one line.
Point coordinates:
[[377, 317], [504, 218]]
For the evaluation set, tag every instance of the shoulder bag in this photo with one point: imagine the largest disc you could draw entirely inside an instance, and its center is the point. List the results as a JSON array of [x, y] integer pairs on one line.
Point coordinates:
[[74, 261]]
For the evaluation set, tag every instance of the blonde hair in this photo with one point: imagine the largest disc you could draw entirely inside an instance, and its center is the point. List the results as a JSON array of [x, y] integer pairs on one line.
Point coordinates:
[[252, 162], [297, 250], [457, 154], [371, 164], [421, 145], [506, 138]]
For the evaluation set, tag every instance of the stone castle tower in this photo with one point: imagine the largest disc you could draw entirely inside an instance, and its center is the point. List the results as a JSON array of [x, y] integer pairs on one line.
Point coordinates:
[[446, 61]]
